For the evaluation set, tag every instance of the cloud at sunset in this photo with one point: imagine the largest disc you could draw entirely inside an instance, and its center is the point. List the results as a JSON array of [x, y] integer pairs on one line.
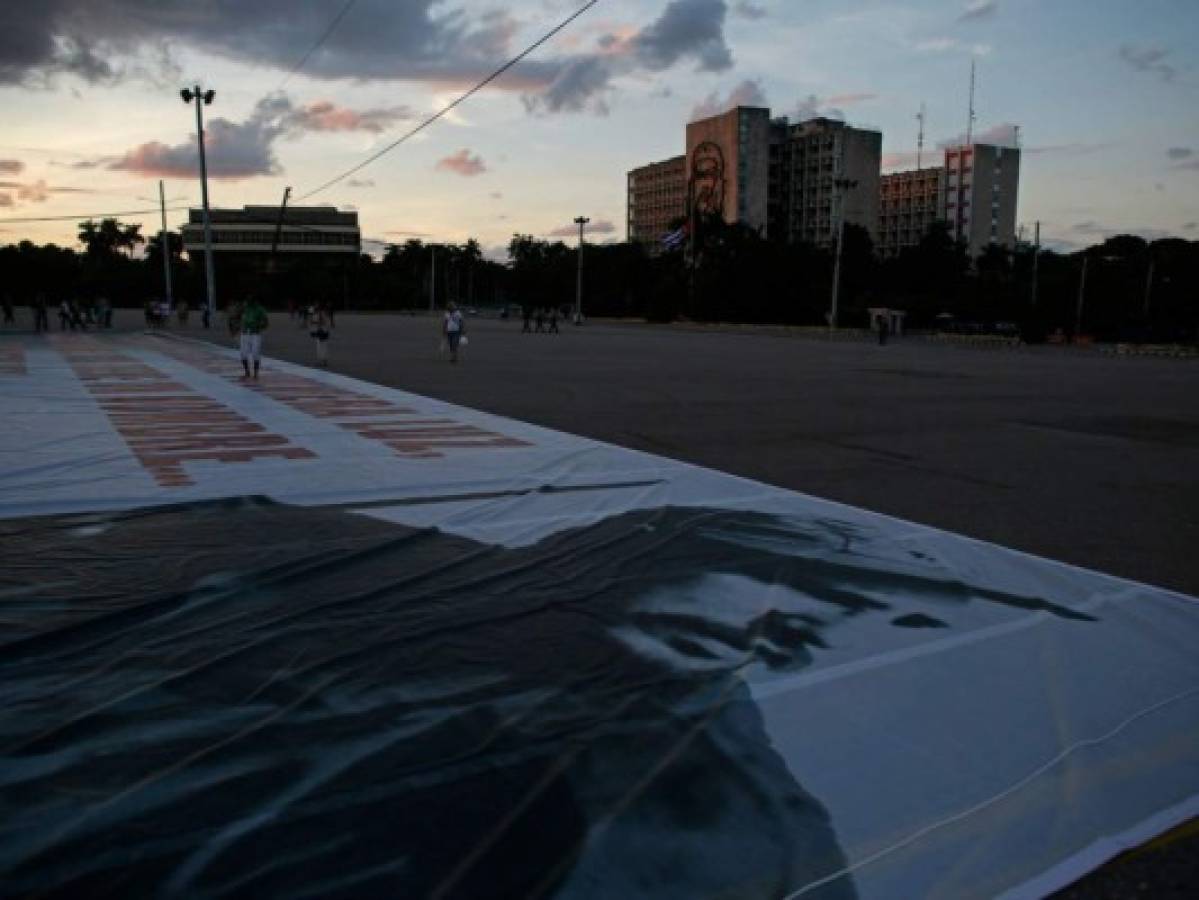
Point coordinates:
[[463, 163]]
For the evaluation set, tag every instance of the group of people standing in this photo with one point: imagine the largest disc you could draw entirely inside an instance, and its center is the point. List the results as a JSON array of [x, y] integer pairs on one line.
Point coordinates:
[[545, 318]]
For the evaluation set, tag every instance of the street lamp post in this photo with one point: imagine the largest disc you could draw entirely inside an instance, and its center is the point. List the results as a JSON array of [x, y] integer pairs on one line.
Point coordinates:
[[581, 221], [164, 243], [1082, 298], [843, 186], [202, 99]]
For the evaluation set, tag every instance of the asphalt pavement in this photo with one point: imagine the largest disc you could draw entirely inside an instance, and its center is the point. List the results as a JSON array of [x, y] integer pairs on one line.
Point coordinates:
[[1077, 456]]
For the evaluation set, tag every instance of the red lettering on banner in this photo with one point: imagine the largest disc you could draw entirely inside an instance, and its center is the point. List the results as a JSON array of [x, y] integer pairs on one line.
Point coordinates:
[[397, 427], [166, 424]]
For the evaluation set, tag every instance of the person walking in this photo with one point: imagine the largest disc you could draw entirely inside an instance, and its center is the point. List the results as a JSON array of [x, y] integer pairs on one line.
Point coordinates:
[[322, 327], [553, 329], [254, 321], [64, 315], [527, 313], [41, 313], [454, 328], [9, 319]]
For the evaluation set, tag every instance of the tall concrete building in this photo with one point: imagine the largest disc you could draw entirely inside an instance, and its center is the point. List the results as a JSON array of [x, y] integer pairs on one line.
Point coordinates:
[[728, 161], [974, 192], [657, 197], [807, 160], [909, 202], [982, 183]]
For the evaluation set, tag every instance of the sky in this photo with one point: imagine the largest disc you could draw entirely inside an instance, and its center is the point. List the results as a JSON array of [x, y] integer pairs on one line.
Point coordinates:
[[1104, 93]]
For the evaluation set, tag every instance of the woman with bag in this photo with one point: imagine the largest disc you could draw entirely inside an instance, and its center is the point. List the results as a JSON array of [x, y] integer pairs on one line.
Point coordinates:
[[454, 328], [321, 322]]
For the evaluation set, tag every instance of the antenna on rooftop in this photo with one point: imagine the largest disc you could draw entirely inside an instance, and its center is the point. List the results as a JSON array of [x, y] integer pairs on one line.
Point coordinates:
[[920, 138], [971, 118]]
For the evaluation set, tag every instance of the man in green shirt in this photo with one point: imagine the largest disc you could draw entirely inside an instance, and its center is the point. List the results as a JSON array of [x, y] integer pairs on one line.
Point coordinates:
[[254, 322]]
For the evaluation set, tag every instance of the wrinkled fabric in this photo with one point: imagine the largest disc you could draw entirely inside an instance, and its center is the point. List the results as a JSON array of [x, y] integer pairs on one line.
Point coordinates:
[[521, 664]]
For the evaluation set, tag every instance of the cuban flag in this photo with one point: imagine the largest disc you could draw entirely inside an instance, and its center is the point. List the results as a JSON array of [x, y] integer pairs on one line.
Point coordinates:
[[675, 239]]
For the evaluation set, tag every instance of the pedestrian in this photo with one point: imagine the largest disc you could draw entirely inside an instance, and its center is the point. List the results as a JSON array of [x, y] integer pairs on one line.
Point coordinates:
[[254, 321], [105, 311], [206, 316], [8, 310], [233, 321], [322, 326], [553, 329], [64, 315], [539, 320], [454, 328], [527, 312], [41, 313]]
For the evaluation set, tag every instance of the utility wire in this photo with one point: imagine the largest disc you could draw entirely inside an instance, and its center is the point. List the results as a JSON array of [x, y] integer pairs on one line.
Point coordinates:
[[324, 37], [98, 215], [474, 90]]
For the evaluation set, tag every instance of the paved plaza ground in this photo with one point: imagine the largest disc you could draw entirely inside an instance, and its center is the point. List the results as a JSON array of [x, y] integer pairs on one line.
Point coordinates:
[[1070, 454], [1077, 456]]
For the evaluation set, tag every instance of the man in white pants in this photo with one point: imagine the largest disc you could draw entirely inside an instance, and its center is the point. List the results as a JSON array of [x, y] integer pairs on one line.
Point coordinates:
[[254, 322]]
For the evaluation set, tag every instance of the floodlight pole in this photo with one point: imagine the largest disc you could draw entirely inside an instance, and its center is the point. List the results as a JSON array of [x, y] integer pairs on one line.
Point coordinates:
[[843, 186], [432, 276], [1082, 298], [581, 221], [202, 99], [163, 242]]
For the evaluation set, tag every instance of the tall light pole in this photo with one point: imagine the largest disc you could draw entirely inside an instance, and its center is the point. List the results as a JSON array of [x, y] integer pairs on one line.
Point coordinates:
[[163, 242], [1082, 298], [202, 99], [1036, 263], [581, 221], [432, 276], [843, 186]]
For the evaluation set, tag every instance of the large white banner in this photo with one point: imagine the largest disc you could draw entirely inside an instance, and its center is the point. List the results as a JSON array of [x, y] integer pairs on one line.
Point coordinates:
[[308, 634]]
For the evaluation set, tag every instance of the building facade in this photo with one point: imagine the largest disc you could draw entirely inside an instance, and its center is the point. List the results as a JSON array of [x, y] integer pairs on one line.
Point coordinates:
[[657, 198], [982, 184], [250, 232], [909, 202], [728, 162], [807, 161]]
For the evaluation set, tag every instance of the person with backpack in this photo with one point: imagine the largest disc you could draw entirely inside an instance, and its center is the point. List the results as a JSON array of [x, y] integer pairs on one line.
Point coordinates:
[[454, 328]]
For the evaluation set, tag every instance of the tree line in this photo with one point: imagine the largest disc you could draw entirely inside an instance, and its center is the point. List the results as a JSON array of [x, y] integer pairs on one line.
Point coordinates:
[[1133, 289]]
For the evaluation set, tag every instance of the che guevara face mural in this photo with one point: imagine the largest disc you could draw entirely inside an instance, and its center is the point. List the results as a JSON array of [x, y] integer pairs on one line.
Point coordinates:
[[243, 697], [708, 179]]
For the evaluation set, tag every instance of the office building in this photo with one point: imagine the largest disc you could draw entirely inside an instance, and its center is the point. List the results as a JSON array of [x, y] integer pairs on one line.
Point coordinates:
[[657, 199], [807, 161], [982, 184], [250, 232], [909, 202], [728, 161]]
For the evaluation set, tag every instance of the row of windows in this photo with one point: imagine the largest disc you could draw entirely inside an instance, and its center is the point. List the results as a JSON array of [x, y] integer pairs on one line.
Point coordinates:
[[286, 239]]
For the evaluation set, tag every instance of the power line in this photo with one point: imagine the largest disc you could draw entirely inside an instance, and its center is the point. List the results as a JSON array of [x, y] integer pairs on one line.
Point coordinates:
[[324, 37], [95, 215], [474, 90]]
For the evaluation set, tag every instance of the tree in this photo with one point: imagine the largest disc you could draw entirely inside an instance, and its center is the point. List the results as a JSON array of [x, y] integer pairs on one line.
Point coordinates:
[[109, 236]]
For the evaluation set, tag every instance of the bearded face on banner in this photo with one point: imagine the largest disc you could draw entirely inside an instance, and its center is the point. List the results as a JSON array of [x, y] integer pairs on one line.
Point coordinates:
[[707, 179]]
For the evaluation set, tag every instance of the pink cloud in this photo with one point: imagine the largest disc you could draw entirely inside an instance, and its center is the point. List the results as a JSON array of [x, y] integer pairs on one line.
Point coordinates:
[[463, 163], [324, 115]]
